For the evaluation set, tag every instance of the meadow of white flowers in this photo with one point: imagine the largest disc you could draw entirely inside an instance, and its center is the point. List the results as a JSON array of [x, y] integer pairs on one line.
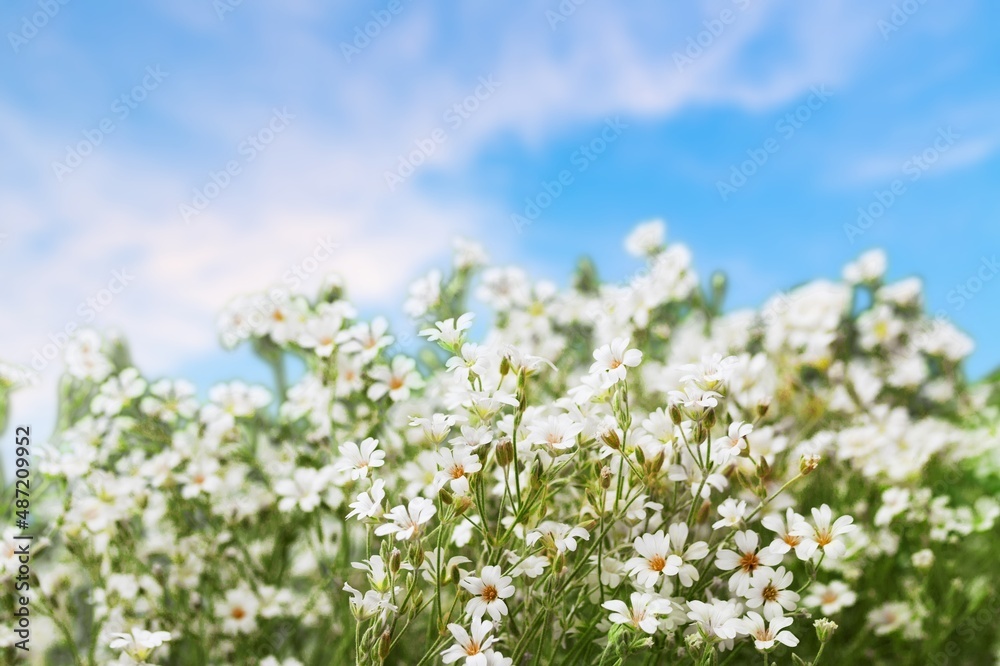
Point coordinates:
[[606, 474]]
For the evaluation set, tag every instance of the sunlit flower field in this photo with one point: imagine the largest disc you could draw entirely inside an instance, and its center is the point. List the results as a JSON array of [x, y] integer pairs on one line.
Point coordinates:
[[612, 474]]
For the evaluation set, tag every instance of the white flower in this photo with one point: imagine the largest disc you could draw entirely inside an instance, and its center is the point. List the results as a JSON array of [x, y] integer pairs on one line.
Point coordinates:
[[894, 502], [201, 476], [372, 603], [746, 560], [358, 459], [785, 531], [559, 432], [424, 294], [488, 593], [824, 536], [923, 559], [406, 520], [472, 437], [396, 380], [646, 239], [431, 573], [711, 373], [468, 254], [473, 647], [238, 399], [531, 566], [435, 428], [84, 357], [456, 464], [139, 643], [302, 490], [470, 360], [718, 619], [765, 636], [868, 268], [733, 444], [169, 400], [830, 598], [732, 513], [655, 558], [369, 503], [560, 535], [378, 572], [449, 332], [238, 611], [322, 332], [611, 362], [502, 288], [769, 589], [644, 613], [687, 574], [117, 392], [366, 340], [890, 617]]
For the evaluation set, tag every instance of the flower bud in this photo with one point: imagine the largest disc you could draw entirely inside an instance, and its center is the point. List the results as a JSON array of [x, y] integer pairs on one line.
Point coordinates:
[[504, 366], [763, 468], [384, 643], [536, 474], [710, 419], [446, 495], [694, 641], [808, 464], [462, 504], [675, 414], [656, 464], [611, 438], [605, 477], [825, 629], [763, 405], [395, 560], [699, 434], [505, 452], [416, 554]]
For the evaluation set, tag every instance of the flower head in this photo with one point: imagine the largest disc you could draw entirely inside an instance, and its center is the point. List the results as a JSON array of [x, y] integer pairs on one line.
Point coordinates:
[[612, 361], [407, 520], [644, 613], [488, 593]]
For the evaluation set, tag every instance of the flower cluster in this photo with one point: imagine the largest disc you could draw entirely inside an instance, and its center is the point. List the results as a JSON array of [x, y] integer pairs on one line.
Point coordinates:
[[609, 473]]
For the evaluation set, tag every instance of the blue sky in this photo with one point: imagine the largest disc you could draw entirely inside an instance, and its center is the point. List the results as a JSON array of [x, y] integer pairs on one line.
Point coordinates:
[[840, 103]]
